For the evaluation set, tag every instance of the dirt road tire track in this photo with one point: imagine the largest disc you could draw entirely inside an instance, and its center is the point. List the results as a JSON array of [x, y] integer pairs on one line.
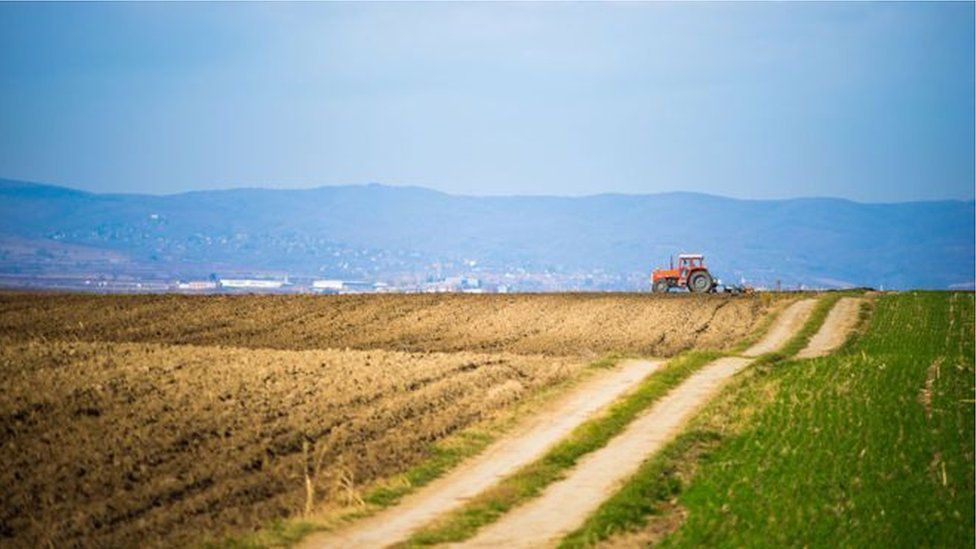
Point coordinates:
[[502, 458], [786, 325], [838, 325]]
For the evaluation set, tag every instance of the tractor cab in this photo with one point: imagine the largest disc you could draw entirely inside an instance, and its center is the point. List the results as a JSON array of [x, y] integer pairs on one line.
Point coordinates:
[[688, 263]]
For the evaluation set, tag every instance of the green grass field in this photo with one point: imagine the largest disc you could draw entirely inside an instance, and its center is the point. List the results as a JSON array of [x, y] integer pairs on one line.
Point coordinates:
[[873, 445]]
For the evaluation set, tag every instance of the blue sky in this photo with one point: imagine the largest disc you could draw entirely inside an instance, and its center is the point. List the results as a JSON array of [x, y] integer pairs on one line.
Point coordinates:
[[869, 101]]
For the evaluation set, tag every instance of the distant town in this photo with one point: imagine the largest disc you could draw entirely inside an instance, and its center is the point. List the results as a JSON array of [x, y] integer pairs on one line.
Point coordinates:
[[276, 283], [137, 281]]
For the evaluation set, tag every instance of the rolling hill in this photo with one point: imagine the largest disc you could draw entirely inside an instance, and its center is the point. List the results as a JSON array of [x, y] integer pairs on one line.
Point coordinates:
[[376, 232]]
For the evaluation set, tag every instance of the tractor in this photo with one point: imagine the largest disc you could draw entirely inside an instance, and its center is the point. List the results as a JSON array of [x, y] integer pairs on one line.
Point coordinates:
[[691, 273]]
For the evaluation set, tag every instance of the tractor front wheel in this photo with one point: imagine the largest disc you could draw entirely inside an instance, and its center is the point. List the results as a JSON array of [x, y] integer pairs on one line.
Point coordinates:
[[700, 282], [661, 286]]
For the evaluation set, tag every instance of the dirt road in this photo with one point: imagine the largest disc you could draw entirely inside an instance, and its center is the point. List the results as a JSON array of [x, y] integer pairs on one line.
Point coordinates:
[[784, 327], [546, 519], [525, 444], [835, 330], [566, 504]]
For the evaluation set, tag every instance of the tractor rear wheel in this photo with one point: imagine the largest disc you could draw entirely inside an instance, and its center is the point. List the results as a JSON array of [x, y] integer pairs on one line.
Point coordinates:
[[700, 282], [661, 286]]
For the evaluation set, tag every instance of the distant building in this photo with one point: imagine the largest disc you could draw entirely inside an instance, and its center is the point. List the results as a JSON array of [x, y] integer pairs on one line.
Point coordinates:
[[453, 284], [356, 286], [327, 286], [197, 285], [251, 283]]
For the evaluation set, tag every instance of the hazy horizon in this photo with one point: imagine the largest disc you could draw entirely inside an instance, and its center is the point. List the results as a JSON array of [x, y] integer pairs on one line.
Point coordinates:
[[870, 102], [474, 195]]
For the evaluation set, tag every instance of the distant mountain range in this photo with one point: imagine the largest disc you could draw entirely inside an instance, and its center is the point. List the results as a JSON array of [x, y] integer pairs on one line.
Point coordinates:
[[376, 232]]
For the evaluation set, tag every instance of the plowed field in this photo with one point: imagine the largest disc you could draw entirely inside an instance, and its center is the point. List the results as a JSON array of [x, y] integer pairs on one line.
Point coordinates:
[[163, 420], [116, 444], [552, 324]]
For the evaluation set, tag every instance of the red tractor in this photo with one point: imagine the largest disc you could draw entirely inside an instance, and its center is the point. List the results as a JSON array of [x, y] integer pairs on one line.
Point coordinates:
[[691, 273]]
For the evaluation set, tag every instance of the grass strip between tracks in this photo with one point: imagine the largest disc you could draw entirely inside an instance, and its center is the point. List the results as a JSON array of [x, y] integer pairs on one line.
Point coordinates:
[[652, 490]]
